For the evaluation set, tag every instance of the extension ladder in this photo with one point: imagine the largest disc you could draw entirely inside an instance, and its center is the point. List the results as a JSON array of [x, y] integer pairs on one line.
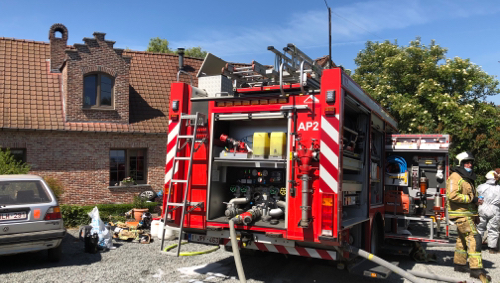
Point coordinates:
[[186, 121], [291, 67]]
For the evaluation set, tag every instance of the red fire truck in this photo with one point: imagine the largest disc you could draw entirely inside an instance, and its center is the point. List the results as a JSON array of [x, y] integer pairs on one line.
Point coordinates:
[[299, 158]]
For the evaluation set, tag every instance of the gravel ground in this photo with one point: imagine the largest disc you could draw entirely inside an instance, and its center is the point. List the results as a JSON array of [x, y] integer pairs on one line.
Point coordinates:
[[133, 262]]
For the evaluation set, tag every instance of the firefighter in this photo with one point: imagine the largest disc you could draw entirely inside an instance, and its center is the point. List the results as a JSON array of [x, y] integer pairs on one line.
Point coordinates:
[[489, 212], [462, 202]]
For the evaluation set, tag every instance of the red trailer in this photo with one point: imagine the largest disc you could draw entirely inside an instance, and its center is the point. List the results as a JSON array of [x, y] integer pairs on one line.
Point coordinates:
[[295, 154]]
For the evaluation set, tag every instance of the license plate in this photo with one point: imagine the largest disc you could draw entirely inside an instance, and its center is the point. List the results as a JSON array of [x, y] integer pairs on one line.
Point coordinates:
[[13, 216], [204, 239]]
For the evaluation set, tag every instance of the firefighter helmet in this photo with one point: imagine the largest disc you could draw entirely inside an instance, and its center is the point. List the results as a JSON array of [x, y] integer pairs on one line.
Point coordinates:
[[464, 156], [491, 175]]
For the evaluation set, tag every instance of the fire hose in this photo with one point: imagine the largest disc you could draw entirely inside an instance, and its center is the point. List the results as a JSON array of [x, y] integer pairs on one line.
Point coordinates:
[[410, 275], [191, 253], [236, 251], [382, 262], [438, 277]]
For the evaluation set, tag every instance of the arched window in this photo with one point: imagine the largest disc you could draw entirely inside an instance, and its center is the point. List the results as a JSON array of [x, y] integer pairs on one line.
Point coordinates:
[[98, 91]]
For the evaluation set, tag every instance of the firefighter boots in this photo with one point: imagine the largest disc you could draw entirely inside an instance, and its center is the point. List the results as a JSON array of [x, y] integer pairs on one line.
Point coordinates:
[[481, 275]]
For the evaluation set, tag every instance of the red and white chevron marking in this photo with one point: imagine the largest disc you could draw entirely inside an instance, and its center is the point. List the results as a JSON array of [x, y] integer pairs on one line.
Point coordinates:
[[299, 251], [329, 155], [173, 132]]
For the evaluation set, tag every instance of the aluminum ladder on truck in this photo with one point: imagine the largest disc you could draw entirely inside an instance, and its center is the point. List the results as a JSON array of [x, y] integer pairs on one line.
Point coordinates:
[[185, 120]]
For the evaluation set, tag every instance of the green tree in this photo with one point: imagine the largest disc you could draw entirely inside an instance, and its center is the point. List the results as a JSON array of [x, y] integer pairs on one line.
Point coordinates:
[[160, 45], [429, 93], [9, 165], [196, 52]]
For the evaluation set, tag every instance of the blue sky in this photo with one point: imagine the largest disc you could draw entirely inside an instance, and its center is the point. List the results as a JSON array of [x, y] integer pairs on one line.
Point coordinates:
[[240, 31]]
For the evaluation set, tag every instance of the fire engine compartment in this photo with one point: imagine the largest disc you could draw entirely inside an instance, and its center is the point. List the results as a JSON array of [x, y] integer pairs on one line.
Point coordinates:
[[415, 185], [355, 155], [242, 182]]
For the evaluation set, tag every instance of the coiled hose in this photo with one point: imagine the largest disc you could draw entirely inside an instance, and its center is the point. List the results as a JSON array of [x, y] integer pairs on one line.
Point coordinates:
[[398, 160]]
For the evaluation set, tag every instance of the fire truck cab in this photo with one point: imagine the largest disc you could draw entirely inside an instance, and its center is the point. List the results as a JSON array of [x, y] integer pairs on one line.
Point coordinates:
[[294, 153]]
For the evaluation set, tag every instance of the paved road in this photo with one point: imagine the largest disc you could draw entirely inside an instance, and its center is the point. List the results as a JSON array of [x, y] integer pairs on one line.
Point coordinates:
[[132, 262]]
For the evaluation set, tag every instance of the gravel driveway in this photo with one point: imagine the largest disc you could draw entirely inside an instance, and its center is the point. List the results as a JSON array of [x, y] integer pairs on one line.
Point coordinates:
[[132, 262]]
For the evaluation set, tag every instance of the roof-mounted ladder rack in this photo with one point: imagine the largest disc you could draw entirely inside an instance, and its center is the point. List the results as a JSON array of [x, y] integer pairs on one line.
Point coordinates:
[[293, 66]]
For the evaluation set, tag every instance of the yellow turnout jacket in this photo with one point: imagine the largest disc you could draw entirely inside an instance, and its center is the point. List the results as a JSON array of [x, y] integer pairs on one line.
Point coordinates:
[[459, 195]]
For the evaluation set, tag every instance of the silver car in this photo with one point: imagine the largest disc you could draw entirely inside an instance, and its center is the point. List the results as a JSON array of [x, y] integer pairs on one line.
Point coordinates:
[[30, 217]]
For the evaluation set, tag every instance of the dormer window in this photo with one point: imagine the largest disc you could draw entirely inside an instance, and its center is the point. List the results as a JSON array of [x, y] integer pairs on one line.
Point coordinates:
[[98, 91]]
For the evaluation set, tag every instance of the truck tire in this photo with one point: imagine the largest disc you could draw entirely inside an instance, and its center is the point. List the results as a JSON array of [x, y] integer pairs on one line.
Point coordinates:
[[55, 254], [148, 195]]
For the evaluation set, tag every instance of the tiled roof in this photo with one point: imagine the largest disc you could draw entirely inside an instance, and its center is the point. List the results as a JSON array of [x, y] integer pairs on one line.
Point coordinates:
[[30, 96]]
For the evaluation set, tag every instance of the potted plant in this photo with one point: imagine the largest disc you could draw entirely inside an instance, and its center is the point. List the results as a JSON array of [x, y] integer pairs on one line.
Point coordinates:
[[127, 181], [140, 206]]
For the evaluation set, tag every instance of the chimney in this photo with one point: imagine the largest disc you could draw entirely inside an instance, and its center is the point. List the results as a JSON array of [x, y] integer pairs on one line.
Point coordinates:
[[180, 52], [58, 37]]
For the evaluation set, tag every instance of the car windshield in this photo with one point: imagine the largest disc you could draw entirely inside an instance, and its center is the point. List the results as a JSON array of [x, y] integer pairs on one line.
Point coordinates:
[[23, 192]]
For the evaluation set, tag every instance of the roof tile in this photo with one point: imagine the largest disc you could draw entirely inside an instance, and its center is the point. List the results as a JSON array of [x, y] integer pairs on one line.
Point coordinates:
[[33, 96]]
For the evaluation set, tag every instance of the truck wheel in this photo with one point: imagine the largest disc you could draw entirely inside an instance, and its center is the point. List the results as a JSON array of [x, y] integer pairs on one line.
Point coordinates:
[[148, 195], [55, 254]]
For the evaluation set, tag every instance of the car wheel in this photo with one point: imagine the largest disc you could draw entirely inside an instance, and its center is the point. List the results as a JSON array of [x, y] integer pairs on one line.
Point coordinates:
[[148, 195], [55, 254]]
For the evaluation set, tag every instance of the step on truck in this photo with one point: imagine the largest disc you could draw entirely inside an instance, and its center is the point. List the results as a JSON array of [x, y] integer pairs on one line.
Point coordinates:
[[298, 156]]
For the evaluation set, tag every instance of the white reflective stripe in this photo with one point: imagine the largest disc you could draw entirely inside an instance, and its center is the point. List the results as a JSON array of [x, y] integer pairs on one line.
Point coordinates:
[[251, 246], [328, 153], [292, 251], [312, 253], [272, 248], [323, 174], [170, 154], [173, 133], [332, 254], [327, 127], [168, 176]]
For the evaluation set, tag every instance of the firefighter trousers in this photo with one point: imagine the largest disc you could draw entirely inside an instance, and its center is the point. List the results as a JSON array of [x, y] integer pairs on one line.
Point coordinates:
[[468, 243]]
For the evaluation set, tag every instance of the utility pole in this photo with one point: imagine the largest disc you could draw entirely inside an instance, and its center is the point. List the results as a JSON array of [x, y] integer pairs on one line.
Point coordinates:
[[329, 36]]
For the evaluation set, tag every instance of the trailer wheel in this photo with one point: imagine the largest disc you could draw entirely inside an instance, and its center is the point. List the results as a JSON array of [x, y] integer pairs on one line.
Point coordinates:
[[375, 239]]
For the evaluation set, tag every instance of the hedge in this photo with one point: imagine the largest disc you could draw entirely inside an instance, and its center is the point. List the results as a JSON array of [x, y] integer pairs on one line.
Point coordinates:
[[77, 215]]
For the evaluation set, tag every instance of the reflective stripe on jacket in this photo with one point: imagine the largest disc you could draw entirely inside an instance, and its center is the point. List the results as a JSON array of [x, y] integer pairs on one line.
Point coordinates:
[[459, 196]]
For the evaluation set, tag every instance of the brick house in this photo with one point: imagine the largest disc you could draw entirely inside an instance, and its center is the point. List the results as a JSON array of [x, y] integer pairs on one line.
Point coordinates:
[[88, 114]]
